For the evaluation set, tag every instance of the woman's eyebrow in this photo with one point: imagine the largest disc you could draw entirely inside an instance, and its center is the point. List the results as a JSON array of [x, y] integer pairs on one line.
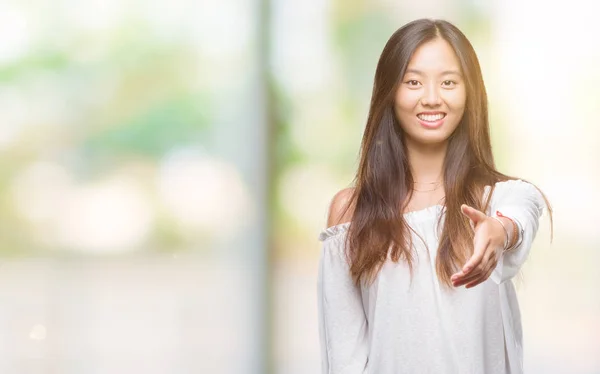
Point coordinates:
[[445, 72]]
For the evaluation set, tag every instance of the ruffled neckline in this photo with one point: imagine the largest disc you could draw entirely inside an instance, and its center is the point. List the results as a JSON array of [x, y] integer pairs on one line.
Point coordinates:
[[416, 215], [425, 213]]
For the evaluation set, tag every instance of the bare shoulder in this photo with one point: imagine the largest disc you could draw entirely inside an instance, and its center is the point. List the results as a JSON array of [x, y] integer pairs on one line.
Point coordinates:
[[341, 208]]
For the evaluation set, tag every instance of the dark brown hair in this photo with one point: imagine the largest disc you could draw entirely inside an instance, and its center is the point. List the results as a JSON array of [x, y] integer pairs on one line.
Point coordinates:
[[383, 176]]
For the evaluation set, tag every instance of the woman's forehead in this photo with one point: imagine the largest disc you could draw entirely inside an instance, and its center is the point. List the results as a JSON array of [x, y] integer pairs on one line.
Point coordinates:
[[434, 57]]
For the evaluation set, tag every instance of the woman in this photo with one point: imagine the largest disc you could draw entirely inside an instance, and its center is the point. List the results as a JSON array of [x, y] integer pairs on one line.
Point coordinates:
[[415, 270]]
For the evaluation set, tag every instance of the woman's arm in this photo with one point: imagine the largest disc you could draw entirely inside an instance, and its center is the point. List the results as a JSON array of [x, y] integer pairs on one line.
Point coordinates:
[[522, 202], [343, 326]]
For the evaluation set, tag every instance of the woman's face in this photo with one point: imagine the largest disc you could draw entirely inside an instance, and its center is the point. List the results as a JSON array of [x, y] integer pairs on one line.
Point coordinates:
[[431, 97]]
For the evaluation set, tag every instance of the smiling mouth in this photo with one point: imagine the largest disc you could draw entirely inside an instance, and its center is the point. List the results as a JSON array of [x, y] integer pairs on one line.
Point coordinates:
[[431, 117]]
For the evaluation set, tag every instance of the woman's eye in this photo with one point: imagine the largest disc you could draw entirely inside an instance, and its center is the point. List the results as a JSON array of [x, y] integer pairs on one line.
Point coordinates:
[[412, 82], [448, 83]]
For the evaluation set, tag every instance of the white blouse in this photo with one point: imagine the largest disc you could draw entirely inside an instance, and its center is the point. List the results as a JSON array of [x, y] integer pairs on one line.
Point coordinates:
[[395, 326]]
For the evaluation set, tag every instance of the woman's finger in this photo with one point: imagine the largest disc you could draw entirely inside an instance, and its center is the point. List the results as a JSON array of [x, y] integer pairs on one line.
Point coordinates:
[[484, 274], [467, 279], [479, 247], [473, 214], [482, 279], [487, 264]]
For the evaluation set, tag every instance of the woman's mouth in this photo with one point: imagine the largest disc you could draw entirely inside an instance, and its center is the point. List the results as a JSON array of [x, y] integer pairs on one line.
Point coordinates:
[[431, 120]]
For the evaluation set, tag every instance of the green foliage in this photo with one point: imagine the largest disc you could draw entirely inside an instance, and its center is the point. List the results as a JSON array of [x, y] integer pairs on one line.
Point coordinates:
[[154, 130]]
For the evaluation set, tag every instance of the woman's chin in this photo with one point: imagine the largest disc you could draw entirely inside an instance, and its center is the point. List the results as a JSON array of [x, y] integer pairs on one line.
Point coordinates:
[[429, 138]]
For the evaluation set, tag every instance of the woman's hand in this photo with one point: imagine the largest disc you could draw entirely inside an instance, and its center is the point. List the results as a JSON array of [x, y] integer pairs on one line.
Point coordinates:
[[488, 244]]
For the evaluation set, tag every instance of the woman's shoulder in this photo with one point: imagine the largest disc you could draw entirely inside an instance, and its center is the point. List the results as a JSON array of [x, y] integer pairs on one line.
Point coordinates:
[[515, 191], [341, 207], [512, 186], [333, 231]]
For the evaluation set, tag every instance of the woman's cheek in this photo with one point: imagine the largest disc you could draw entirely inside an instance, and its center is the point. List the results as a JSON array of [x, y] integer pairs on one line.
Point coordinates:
[[407, 97], [457, 99]]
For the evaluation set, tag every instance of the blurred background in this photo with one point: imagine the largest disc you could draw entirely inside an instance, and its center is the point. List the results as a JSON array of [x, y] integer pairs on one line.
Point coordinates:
[[166, 168]]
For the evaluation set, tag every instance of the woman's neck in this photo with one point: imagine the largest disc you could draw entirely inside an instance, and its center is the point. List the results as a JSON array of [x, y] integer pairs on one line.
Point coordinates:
[[426, 162]]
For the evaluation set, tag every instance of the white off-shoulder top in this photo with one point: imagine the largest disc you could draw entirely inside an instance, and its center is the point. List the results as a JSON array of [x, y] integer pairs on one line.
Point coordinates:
[[394, 326]]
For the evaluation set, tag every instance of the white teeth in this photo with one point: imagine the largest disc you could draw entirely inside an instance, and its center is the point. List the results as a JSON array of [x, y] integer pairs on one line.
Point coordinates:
[[431, 117]]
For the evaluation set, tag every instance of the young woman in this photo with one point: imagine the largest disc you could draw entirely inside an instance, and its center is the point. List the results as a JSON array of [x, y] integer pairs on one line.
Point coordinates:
[[417, 258]]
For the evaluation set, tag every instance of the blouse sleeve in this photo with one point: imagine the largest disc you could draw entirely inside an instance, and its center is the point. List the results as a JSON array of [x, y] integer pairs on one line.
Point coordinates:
[[522, 202], [343, 327]]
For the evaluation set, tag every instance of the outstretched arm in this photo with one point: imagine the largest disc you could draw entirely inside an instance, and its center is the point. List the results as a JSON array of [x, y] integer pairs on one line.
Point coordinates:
[[523, 204]]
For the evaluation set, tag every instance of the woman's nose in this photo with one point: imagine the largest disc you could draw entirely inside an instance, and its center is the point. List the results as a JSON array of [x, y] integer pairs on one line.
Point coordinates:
[[431, 96]]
